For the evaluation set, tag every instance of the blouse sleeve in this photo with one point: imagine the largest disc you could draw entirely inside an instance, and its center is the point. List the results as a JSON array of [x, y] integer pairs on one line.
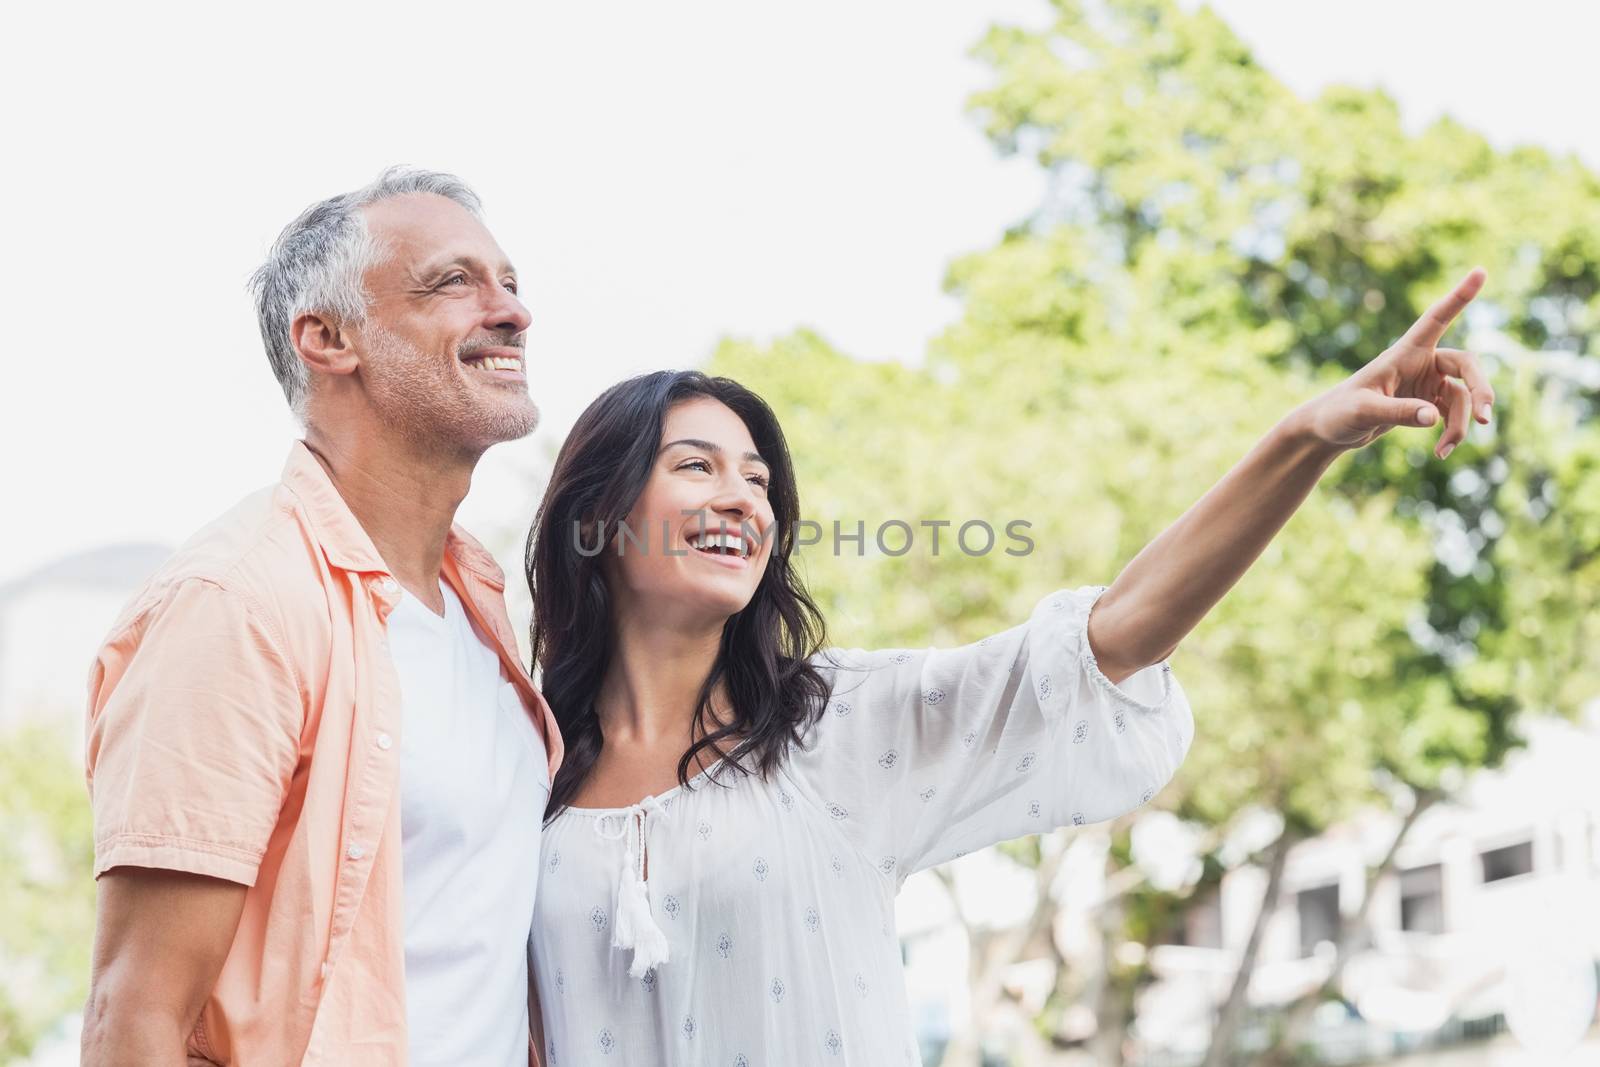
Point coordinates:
[[923, 756]]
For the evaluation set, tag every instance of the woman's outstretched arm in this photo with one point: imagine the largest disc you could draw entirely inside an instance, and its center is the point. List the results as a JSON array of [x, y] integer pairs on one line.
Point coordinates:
[[1170, 586]]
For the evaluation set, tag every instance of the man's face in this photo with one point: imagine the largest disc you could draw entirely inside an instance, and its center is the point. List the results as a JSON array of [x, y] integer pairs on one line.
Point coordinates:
[[442, 345]]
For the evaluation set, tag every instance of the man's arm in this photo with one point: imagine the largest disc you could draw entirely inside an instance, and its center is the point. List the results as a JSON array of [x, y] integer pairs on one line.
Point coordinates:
[[1179, 577], [195, 717], [160, 941]]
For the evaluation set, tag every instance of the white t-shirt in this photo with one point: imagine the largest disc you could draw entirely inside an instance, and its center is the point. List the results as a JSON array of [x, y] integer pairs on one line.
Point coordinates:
[[473, 786], [776, 897]]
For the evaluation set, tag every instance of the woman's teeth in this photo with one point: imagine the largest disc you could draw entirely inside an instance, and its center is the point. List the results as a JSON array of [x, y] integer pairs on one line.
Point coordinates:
[[728, 544]]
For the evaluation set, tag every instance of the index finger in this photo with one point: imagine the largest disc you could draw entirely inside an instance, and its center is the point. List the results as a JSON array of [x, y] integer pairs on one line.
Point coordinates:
[[1436, 320]]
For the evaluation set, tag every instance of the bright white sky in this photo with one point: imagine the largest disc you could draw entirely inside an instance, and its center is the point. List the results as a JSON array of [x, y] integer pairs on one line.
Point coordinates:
[[662, 174]]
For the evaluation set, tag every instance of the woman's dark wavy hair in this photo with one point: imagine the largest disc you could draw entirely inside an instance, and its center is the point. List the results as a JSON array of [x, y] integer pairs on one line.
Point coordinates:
[[764, 655]]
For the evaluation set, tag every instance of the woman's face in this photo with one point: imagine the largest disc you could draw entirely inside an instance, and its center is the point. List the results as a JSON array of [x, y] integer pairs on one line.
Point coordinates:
[[702, 528]]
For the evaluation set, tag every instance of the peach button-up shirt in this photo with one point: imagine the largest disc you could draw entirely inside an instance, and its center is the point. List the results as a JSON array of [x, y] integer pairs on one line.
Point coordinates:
[[244, 723]]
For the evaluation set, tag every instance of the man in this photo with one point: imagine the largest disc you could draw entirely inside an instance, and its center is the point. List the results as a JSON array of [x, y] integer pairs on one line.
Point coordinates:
[[318, 770]]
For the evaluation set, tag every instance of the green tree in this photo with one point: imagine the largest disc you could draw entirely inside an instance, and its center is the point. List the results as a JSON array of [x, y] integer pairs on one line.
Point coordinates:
[[47, 896], [1214, 250]]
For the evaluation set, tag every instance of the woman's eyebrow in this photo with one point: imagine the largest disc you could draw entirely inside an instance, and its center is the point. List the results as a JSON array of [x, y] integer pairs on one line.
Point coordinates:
[[714, 449]]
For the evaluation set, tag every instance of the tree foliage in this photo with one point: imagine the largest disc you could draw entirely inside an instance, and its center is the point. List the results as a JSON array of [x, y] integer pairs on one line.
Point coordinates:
[[1214, 250], [47, 894]]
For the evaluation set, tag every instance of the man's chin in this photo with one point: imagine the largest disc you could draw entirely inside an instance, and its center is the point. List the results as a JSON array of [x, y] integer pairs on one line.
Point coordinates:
[[510, 423]]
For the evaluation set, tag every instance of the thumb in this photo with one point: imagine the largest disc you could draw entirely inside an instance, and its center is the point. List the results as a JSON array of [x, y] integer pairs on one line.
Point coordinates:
[[1380, 410]]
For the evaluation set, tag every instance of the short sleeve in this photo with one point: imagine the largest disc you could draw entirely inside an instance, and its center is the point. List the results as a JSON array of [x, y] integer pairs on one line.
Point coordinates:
[[922, 756], [195, 717]]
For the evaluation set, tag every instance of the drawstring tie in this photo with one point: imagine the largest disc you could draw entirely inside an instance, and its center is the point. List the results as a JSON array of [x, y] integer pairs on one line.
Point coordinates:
[[635, 927]]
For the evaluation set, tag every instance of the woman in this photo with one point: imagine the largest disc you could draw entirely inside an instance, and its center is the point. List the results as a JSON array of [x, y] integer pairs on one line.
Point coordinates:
[[737, 808]]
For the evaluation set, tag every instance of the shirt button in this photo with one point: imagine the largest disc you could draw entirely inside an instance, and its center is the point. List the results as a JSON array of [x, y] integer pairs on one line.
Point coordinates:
[[355, 852], [388, 585], [385, 742], [327, 969]]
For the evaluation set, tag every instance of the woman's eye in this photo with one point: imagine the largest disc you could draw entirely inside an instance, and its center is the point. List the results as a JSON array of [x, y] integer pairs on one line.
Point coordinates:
[[697, 464], [759, 480]]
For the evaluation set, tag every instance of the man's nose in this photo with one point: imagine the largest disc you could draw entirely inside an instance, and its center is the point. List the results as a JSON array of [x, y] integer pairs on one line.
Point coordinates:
[[508, 314]]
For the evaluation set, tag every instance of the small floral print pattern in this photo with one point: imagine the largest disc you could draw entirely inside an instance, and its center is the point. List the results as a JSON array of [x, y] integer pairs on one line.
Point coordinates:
[[607, 1043], [982, 744]]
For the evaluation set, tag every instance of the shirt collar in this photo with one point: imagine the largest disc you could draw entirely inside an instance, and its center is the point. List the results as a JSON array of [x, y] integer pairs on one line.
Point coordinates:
[[343, 540]]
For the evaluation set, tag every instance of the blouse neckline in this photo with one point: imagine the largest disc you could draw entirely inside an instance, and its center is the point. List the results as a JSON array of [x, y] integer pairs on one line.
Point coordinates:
[[597, 813]]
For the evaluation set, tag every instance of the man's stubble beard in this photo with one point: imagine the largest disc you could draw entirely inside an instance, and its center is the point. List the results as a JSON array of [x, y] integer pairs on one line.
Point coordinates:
[[416, 395]]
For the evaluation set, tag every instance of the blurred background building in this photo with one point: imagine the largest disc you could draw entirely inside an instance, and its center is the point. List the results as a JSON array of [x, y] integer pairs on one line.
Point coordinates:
[[53, 618]]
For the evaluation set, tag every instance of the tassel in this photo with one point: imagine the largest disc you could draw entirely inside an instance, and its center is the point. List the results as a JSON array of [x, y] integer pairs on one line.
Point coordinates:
[[636, 928]]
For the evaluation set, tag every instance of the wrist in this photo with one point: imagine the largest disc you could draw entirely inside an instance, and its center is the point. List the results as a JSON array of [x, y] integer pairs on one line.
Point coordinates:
[[1298, 432]]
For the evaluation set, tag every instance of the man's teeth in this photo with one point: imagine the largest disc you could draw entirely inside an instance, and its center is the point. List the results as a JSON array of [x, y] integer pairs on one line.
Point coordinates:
[[710, 541], [496, 363]]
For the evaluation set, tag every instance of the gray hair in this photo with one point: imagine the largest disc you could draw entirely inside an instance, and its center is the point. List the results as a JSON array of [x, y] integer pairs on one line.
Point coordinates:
[[318, 263]]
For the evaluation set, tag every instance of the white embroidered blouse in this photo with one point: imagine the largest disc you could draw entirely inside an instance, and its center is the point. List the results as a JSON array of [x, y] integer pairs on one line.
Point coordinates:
[[765, 932]]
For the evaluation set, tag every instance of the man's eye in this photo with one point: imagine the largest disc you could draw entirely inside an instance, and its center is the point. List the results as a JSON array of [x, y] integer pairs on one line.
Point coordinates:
[[511, 287], [453, 279]]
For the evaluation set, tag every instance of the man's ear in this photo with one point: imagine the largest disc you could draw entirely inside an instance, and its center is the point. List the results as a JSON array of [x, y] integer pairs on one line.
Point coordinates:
[[322, 344]]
